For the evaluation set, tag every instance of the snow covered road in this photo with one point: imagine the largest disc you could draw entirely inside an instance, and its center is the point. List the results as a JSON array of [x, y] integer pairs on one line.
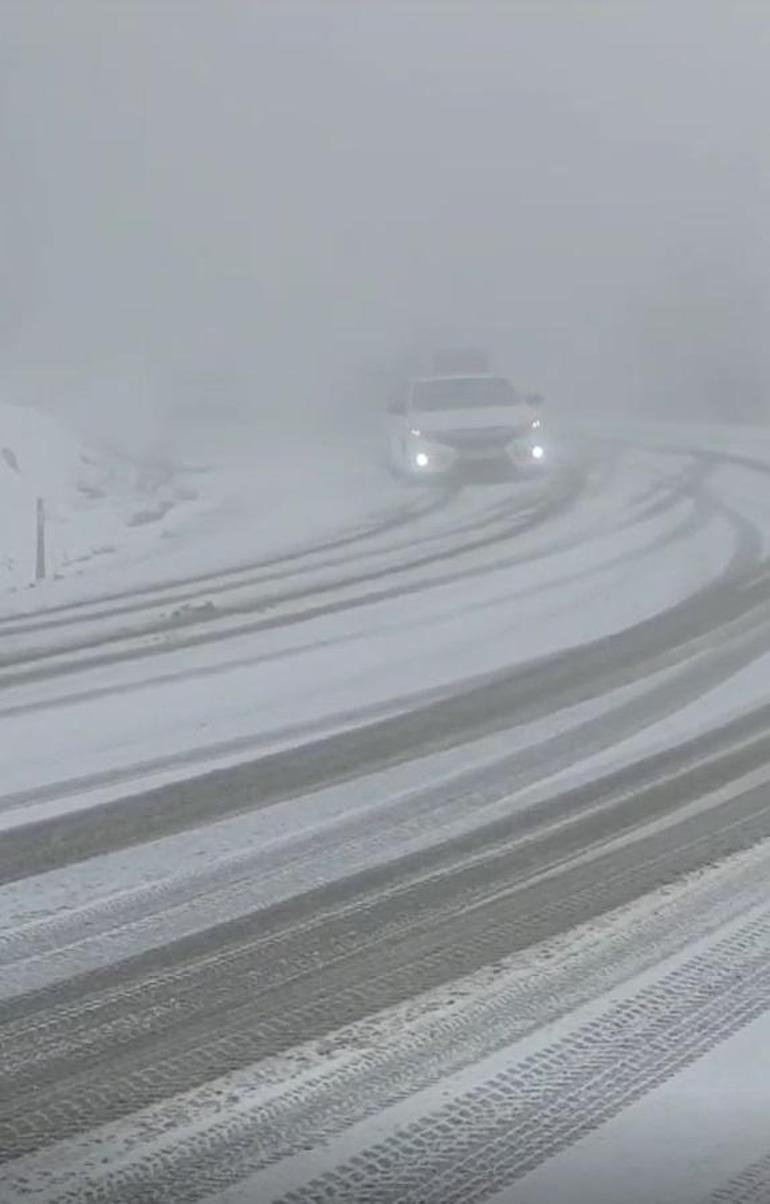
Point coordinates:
[[412, 863], [519, 581]]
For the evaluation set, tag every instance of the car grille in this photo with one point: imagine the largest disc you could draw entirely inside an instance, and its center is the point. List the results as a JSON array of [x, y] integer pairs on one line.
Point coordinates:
[[487, 439]]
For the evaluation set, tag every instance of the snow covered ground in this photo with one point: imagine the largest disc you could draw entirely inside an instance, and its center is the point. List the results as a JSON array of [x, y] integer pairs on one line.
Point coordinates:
[[615, 1060], [696, 1138], [701, 1119], [580, 584], [550, 1076], [122, 516], [99, 508]]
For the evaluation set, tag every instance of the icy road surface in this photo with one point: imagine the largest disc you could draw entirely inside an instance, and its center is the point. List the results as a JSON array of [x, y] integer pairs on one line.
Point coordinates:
[[425, 863]]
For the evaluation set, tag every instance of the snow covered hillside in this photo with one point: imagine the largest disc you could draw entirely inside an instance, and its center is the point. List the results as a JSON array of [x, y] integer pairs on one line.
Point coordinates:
[[96, 505]]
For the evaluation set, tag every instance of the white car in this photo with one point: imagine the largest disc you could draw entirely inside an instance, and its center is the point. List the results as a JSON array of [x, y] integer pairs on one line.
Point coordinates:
[[447, 423]]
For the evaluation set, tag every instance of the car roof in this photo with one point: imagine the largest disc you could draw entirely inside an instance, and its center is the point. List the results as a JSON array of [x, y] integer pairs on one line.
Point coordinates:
[[422, 380]]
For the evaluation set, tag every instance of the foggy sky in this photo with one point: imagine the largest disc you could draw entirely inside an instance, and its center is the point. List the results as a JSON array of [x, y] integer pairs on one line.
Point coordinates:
[[281, 192]]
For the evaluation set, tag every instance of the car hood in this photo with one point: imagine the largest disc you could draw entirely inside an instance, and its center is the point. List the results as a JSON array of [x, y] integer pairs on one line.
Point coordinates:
[[500, 418]]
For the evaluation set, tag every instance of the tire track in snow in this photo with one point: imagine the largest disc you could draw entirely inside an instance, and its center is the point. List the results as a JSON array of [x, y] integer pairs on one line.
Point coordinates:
[[751, 1186], [139, 598], [514, 1120], [227, 748], [99, 1047], [684, 528], [439, 822], [264, 613], [197, 1145], [468, 937], [509, 697]]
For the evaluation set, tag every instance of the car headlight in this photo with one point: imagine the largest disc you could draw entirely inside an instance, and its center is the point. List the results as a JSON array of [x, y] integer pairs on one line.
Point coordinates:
[[536, 424], [422, 459], [538, 452]]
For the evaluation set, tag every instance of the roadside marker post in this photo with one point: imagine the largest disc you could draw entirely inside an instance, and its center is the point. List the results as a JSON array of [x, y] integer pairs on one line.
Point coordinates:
[[40, 542]]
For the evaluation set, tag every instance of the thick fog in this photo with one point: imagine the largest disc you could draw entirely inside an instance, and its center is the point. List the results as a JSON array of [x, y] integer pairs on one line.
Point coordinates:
[[266, 202]]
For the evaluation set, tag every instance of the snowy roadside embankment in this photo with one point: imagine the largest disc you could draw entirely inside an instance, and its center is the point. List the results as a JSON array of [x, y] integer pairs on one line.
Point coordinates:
[[96, 506], [202, 498]]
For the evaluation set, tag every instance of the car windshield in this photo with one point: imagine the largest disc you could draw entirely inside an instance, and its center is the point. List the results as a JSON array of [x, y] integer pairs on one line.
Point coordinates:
[[463, 392]]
